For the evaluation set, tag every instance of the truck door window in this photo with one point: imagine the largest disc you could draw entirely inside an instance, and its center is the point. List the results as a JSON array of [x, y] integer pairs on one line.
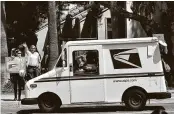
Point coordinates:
[[85, 62]]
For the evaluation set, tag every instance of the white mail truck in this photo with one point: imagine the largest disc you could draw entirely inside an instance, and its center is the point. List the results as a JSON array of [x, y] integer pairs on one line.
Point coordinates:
[[101, 72]]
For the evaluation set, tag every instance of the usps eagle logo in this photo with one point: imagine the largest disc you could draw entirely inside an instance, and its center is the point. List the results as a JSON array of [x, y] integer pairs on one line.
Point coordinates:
[[125, 58]]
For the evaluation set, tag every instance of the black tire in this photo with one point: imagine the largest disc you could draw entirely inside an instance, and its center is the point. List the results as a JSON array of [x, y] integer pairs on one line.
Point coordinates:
[[135, 99], [49, 103]]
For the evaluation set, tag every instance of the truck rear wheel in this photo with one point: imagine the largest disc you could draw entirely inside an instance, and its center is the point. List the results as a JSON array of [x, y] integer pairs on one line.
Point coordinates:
[[49, 102], [135, 99]]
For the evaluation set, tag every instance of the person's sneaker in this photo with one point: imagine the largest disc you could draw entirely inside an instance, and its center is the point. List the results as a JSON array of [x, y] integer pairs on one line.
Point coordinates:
[[15, 99], [19, 99]]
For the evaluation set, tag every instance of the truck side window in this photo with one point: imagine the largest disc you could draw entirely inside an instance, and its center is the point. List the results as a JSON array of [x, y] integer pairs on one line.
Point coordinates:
[[85, 62], [125, 58], [63, 58]]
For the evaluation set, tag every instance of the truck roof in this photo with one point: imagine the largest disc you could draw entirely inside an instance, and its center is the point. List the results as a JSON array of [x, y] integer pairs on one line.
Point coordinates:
[[113, 41]]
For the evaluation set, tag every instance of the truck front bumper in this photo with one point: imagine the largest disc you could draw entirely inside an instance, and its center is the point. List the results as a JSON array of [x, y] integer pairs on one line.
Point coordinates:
[[160, 95], [29, 101]]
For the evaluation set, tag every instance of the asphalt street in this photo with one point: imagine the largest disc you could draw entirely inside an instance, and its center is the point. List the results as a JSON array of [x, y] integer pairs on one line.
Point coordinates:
[[8, 106]]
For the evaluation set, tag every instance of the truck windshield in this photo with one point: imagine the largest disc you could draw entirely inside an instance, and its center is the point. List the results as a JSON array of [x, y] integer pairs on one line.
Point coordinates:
[[62, 62]]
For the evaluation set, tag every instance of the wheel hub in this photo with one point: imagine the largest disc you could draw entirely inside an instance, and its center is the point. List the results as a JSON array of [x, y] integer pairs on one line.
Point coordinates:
[[48, 103], [136, 100]]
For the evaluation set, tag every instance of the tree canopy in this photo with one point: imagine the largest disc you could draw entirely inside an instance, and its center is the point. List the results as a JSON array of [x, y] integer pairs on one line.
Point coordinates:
[[24, 18]]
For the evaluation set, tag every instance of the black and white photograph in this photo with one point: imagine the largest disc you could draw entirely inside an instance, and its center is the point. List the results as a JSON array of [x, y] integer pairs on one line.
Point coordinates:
[[87, 57]]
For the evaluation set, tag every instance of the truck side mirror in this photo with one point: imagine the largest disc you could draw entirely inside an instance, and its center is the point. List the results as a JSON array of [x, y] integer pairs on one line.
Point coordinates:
[[70, 67]]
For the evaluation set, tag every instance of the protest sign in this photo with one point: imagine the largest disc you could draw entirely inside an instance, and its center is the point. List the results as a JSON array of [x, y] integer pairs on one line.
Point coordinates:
[[14, 65]]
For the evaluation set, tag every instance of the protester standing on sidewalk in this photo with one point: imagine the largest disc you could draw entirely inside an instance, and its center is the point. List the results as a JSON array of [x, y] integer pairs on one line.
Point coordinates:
[[13, 54], [18, 77], [33, 61]]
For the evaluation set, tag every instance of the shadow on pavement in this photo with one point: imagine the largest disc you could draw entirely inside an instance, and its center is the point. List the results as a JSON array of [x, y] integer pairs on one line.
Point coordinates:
[[7, 99], [90, 109]]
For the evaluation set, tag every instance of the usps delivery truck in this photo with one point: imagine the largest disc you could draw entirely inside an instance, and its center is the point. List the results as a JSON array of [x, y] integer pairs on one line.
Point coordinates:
[[101, 72]]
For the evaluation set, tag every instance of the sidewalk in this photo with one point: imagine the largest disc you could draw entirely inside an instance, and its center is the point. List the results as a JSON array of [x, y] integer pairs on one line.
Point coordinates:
[[171, 90], [9, 97]]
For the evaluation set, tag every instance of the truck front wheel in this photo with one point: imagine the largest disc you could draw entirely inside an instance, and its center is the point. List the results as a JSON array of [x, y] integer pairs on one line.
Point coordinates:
[[49, 102], [135, 99]]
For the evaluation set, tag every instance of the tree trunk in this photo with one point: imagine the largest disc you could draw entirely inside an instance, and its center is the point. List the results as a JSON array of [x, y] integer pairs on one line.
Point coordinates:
[[52, 29], [114, 20], [172, 39], [4, 49]]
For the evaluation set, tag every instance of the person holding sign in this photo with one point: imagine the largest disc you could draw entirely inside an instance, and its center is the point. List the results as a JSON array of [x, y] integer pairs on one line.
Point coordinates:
[[33, 61], [18, 77]]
